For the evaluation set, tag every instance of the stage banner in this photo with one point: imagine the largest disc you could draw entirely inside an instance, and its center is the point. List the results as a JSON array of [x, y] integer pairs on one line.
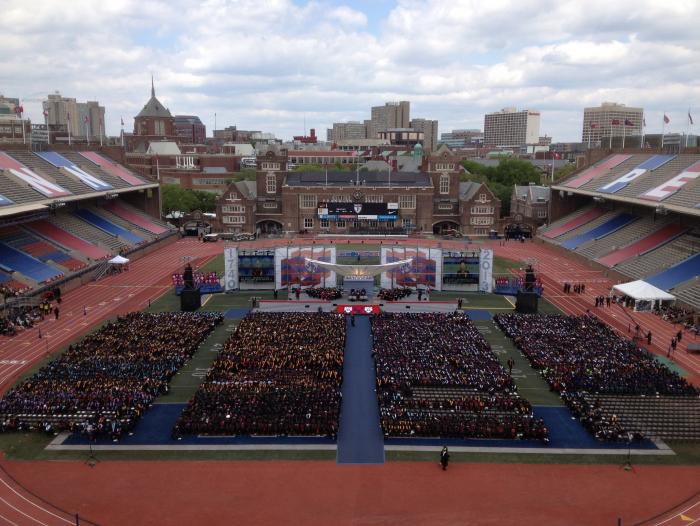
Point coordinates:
[[425, 269], [358, 309], [230, 268], [486, 270], [291, 267]]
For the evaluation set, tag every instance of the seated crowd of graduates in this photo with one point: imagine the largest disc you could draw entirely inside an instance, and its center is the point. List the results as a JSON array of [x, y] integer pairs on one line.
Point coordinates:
[[437, 377], [394, 294], [278, 374], [580, 354], [101, 385], [325, 293]]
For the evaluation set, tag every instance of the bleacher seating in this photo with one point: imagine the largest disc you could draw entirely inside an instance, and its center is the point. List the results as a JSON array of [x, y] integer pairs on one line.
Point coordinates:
[[689, 292], [83, 230], [50, 172], [6, 280], [653, 179], [108, 226], [660, 258], [678, 273], [623, 237], [27, 265], [597, 171], [665, 417], [67, 240], [593, 222], [129, 214], [41, 250], [92, 168], [610, 226], [572, 222], [105, 213], [16, 192], [645, 244], [611, 175]]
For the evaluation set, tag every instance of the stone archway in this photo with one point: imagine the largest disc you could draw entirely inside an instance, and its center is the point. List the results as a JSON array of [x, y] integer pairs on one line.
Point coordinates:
[[445, 227], [269, 226]]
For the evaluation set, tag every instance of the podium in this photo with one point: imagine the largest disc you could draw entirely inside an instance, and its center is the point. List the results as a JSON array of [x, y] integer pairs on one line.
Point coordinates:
[[526, 302], [190, 299]]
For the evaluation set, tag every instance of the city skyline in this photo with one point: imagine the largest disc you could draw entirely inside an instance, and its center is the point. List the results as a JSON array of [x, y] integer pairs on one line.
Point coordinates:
[[275, 65]]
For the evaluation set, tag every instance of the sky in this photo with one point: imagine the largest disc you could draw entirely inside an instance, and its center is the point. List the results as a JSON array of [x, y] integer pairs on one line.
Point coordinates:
[[273, 65]]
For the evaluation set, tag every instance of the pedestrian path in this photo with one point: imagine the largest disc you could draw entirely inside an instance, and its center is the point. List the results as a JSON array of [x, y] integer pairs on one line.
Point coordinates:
[[360, 439]]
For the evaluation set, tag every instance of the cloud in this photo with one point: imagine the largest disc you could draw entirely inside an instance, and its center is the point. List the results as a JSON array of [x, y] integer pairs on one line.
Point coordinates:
[[270, 65]]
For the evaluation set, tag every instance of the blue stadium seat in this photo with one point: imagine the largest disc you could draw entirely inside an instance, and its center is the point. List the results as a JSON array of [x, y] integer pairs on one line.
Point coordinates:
[[603, 230], [677, 274], [107, 226], [27, 265]]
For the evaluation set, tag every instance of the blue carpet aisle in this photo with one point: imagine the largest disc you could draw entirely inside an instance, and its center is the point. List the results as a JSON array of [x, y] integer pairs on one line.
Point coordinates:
[[360, 439]]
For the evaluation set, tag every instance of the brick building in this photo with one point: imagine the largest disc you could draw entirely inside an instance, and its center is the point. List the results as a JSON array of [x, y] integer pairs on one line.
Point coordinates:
[[153, 123], [431, 199]]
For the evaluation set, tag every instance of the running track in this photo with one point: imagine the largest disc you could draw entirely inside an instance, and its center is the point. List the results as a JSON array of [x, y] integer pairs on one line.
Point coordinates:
[[149, 277]]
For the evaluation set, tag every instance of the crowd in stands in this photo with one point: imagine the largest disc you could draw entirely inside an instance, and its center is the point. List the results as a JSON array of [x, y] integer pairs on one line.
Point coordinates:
[[471, 393], [278, 374], [395, 294], [101, 385], [199, 278], [325, 293], [580, 354]]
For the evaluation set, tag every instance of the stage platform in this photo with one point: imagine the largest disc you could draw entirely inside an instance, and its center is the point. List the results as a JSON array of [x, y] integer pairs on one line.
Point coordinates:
[[332, 306]]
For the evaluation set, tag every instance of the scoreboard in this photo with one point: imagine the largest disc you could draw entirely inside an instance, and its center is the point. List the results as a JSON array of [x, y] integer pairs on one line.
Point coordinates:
[[358, 211]]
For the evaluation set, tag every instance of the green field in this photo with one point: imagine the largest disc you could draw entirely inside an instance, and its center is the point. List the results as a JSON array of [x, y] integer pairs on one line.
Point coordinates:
[[31, 446]]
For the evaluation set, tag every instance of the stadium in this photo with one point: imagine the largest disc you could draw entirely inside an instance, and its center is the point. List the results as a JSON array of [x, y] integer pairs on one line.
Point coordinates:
[[151, 378]]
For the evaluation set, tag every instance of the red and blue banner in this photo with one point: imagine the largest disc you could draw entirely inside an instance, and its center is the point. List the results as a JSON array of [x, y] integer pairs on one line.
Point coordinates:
[[24, 174]]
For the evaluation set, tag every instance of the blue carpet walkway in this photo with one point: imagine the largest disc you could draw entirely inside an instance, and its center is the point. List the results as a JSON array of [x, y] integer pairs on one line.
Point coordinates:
[[360, 439]]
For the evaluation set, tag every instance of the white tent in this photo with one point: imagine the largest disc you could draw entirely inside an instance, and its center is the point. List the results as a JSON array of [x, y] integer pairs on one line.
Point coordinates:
[[118, 260], [644, 294]]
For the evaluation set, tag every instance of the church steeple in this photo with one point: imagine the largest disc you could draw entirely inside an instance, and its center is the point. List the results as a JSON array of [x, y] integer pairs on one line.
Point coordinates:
[[153, 89]]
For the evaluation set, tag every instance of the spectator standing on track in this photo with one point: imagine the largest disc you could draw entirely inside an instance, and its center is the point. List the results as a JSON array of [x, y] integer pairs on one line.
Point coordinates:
[[649, 338], [444, 458], [510, 363], [55, 311]]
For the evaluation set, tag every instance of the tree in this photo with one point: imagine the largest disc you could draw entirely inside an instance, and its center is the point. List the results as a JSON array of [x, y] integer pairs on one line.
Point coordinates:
[[501, 178], [564, 171], [176, 198]]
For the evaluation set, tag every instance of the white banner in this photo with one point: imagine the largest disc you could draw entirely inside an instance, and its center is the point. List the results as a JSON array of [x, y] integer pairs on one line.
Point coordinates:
[[486, 270], [230, 268]]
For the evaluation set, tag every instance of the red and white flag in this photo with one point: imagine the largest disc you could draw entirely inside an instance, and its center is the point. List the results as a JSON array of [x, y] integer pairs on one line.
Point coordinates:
[[594, 125], [85, 119], [666, 119], [46, 113], [615, 122]]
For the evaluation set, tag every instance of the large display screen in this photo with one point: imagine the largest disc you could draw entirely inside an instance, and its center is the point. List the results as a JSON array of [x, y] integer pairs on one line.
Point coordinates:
[[358, 211]]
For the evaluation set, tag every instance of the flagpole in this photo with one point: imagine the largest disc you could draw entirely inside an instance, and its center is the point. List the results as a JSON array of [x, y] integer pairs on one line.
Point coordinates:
[[644, 124], [663, 130], [87, 132], [624, 126], [611, 133], [687, 131], [69, 134], [101, 133]]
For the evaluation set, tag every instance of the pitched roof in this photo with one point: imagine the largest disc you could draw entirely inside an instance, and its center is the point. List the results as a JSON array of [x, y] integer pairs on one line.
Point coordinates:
[[153, 107], [467, 189], [248, 189], [163, 148]]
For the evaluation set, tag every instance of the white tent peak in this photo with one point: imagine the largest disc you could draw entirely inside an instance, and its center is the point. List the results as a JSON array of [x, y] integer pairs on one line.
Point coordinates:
[[118, 260], [641, 290]]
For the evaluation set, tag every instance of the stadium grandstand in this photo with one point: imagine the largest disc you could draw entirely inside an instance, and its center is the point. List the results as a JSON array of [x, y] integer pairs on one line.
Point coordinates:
[[64, 213], [637, 215]]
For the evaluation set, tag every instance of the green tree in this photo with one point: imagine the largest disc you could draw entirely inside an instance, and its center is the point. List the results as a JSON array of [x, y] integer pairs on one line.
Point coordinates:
[[176, 198], [564, 171], [308, 168]]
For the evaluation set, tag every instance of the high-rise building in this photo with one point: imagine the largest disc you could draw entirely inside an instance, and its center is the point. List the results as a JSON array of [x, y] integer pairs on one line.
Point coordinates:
[[80, 117], [511, 128], [347, 130], [191, 129], [391, 115], [610, 119], [430, 132]]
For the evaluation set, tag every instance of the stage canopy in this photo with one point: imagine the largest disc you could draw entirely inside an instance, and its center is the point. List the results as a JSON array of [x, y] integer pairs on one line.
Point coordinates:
[[643, 291], [358, 270], [119, 260]]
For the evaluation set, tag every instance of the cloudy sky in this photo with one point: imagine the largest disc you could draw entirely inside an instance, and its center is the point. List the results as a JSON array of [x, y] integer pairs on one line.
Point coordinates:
[[270, 64]]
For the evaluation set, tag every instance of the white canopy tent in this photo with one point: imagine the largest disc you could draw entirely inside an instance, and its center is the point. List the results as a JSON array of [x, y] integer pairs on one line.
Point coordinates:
[[645, 295], [118, 260]]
